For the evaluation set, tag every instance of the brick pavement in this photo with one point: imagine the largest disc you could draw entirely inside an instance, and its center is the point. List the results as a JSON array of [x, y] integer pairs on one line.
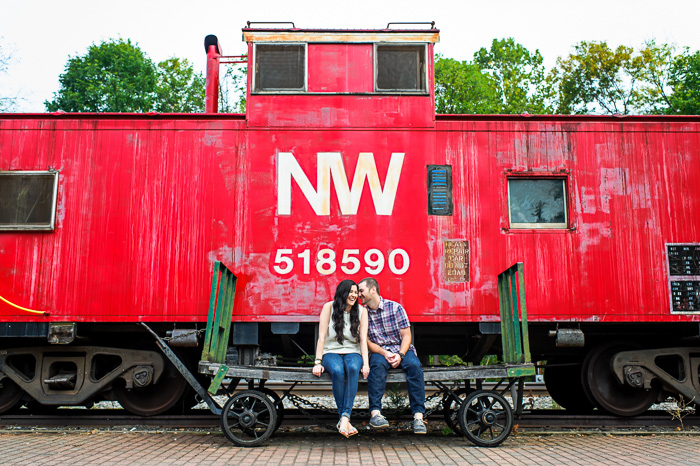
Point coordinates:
[[117, 447]]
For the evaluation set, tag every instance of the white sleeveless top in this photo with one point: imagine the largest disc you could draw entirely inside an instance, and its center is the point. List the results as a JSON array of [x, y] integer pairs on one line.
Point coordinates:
[[349, 345]]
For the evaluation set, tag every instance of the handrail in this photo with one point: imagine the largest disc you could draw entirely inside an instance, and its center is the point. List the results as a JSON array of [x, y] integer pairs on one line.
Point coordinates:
[[514, 332], [223, 292]]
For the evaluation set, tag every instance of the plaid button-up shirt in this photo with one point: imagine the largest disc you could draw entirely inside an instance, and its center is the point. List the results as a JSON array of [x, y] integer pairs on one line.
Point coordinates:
[[385, 324]]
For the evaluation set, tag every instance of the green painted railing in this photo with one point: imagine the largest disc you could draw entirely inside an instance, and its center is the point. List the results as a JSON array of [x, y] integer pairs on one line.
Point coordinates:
[[511, 298], [223, 292]]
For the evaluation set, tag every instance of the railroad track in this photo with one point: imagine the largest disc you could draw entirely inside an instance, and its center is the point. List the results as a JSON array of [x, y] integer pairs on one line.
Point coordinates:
[[538, 419], [202, 418]]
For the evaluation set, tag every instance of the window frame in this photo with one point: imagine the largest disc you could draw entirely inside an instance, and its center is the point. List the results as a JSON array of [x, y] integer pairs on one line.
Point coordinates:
[[302, 90], [564, 178], [34, 227], [423, 76]]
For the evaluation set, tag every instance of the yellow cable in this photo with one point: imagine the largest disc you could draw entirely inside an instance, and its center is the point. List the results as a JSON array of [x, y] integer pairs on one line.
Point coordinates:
[[24, 308]]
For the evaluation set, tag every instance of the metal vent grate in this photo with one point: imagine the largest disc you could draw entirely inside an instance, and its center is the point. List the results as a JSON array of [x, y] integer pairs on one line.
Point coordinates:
[[439, 190]]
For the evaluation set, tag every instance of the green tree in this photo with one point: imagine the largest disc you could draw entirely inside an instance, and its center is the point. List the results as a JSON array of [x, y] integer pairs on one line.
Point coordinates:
[[598, 79], [518, 73], [461, 87], [684, 78], [232, 89], [178, 88], [652, 72], [115, 76]]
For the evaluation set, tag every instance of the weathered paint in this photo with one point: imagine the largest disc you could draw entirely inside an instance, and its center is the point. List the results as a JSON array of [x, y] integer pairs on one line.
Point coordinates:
[[148, 202]]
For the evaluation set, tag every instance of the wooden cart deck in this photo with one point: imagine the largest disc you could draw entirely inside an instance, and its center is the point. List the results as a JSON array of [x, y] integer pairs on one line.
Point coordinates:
[[431, 374]]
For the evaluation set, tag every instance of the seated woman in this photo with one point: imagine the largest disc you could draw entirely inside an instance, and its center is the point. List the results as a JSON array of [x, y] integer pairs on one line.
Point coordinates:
[[342, 349]]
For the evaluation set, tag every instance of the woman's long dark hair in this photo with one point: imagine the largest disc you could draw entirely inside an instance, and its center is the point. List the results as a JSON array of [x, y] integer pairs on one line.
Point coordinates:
[[340, 302]]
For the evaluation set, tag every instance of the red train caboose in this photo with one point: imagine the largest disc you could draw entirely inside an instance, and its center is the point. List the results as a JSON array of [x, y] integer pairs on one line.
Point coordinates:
[[341, 169]]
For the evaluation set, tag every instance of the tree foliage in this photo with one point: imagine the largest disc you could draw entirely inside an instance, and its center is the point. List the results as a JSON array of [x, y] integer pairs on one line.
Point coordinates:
[[597, 79], [232, 89], [461, 87], [7, 102], [178, 88], [519, 75], [116, 76], [684, 79], [507, 78]]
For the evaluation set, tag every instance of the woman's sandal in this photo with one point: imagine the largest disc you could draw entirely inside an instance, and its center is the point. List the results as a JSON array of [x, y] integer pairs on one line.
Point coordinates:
[[343, 432], [352, 431]]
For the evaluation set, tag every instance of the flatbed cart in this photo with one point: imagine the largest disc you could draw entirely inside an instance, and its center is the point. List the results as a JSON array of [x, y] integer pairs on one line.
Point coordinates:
[[250, 417]]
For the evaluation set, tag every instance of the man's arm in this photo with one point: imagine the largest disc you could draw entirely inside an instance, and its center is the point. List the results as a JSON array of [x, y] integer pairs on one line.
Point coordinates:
[[375, 348], [405, 340]]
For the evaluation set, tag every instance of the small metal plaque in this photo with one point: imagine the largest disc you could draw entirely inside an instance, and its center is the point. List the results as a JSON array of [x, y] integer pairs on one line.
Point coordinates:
[[684, 277], [685, 296], [455, 261], [683, 259]]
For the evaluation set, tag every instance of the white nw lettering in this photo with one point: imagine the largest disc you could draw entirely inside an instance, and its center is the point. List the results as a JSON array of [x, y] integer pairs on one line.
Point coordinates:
[[330, 166]]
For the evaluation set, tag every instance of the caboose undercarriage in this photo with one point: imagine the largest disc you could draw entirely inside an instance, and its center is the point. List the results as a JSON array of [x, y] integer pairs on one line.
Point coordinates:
[[621, 368]]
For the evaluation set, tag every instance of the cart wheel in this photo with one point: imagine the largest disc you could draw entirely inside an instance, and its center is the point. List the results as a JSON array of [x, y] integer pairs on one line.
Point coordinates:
[[277, 402], [450, 408], [486, 418], [248, 418]]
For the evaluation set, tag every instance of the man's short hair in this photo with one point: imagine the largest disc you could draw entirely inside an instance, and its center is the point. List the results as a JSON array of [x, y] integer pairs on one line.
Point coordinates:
[[371, 283]]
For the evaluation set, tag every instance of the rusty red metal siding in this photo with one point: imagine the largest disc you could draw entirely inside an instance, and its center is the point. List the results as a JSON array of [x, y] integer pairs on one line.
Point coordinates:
[[144, 207], [146, 204], [341, 68]]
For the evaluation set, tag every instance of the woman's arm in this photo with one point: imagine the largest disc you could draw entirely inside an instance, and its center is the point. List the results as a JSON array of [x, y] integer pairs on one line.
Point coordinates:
[[363, 344], [322, 332]]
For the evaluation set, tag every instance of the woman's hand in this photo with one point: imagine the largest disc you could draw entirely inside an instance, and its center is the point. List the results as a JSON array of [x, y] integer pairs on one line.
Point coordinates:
[[318, 370], [365, 371]]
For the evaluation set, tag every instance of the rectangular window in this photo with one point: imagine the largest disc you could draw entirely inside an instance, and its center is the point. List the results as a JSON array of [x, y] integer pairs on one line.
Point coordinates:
[[28, 200], [537, 203], [280, 67], [400, 68]]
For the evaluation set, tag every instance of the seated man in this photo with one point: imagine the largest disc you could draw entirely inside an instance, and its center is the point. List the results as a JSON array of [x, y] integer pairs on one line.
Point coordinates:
[[389, 342]]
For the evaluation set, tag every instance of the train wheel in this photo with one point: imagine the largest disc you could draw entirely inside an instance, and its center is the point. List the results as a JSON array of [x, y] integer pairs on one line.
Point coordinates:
[[450, 408], [156, 398], [486, 418], [10, 394], [606, 392], [277, 403], [564, 385], [248, 418]]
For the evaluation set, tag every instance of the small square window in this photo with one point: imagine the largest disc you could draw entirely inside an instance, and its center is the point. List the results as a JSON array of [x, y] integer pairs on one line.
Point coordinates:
[[400, 68], [27, 200], [280, 67], [537, 203]]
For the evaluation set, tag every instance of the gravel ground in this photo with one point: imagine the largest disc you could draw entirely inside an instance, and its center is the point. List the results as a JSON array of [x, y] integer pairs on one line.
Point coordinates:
[[362, 402]]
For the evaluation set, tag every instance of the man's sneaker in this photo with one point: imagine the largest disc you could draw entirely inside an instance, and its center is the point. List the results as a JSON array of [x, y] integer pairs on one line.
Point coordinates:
[[378, 422], [419, 427]]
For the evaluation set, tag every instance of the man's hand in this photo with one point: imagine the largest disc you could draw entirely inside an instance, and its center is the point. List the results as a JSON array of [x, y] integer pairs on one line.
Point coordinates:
[[393, 359]]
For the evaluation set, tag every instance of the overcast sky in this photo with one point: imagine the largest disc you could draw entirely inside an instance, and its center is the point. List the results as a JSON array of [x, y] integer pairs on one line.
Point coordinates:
[[43, 34]]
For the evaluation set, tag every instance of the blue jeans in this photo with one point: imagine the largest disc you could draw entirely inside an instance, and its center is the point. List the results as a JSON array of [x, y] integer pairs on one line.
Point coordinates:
[[376, 382], [345, 372]]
